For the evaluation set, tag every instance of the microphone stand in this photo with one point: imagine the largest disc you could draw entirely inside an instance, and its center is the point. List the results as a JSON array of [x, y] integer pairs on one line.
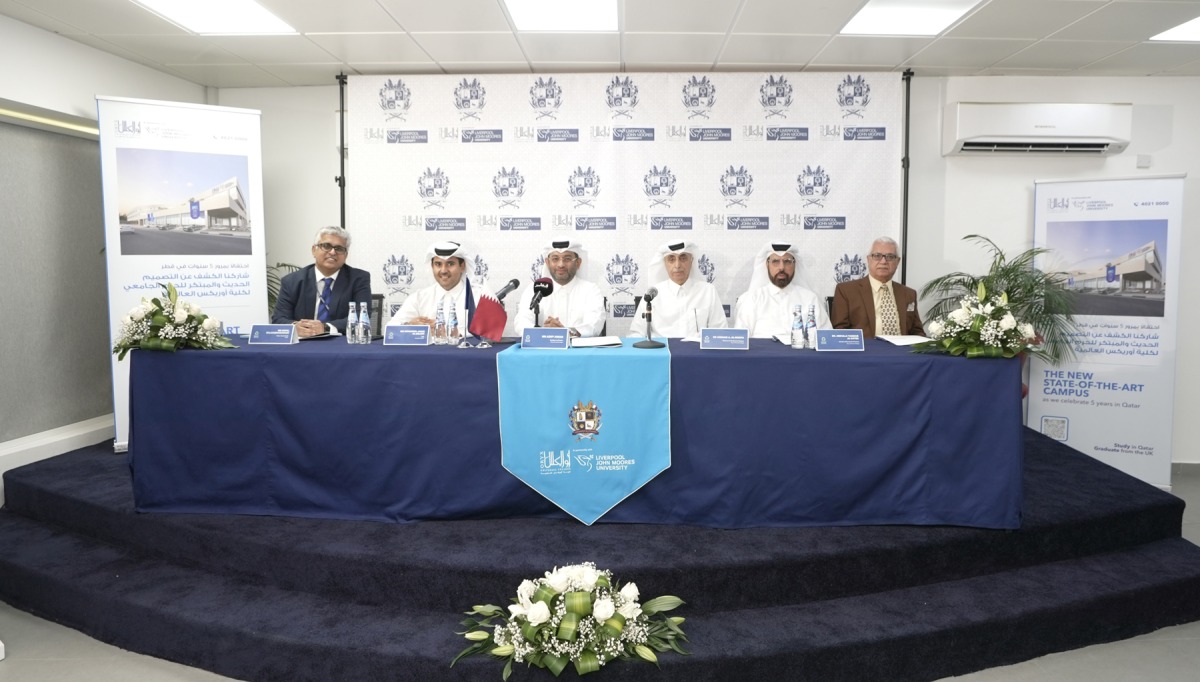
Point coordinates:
[[648, 342]]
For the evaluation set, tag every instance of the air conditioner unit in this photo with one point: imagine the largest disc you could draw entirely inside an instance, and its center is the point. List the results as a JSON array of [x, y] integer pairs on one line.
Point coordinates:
[[1036, 128]]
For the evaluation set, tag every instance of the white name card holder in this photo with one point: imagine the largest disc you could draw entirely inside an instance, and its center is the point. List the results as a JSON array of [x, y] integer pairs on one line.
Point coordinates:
[[406, 335], [840, 339], [273, 335], [545, 338], [724, 339]]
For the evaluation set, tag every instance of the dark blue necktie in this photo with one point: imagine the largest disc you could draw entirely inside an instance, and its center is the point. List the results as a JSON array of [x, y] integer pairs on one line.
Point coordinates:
[[323, 304]]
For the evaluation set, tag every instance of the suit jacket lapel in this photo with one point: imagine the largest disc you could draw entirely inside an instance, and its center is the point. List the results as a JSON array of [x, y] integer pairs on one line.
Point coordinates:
[[868, 300], [307, 298]]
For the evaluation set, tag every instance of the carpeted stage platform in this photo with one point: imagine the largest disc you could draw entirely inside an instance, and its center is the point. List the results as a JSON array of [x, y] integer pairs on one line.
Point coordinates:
[[1099, 558]]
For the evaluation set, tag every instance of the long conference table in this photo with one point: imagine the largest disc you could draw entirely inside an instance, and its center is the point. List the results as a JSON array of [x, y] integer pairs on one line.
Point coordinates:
[[765, 437]]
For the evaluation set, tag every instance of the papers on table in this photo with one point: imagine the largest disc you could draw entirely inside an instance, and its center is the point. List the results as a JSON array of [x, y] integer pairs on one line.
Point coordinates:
[[597, 342], [908, 340]]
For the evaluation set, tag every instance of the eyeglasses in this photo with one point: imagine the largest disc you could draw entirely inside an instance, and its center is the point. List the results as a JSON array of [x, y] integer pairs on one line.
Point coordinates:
[[785, 262], [565, 259], [336, 248], [889, 257]]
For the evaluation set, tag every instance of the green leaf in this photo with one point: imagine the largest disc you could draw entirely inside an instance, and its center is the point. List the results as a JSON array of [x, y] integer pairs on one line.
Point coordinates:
[[555, 664], [507, 670], [659, 604], [645, 654]]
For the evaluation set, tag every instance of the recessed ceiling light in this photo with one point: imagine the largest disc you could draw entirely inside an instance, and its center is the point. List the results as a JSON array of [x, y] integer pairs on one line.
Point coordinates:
[[907, 17], [219, 17], [563, 15], [1186, 32]]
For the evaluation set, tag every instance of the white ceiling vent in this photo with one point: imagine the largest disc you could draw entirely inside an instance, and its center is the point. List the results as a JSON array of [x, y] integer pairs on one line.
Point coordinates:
[[1036, 128]]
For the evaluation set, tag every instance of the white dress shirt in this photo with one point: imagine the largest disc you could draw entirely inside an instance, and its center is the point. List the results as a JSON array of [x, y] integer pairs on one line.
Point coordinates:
[[578, 305], [681, 311], [767, 310], [424, 303]]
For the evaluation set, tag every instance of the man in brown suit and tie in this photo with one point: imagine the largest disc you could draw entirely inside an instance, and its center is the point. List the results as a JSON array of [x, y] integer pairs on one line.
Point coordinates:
[[876, 304]]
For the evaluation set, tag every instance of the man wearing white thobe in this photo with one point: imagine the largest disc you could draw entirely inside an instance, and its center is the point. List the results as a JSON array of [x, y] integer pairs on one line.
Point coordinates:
[[766, 309], [684, 305]]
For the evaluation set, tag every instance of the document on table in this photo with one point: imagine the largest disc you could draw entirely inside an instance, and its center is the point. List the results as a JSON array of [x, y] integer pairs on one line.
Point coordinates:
[[907, 340], [596, 342]]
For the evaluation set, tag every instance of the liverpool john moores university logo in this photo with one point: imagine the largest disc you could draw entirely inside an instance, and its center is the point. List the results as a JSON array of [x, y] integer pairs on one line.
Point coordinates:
[[659, 186], [469, 98], [509, 187], [585, 420], [707, 268], [775, 96], [849, 268], [621, 97], [395, 99], [853, 95], [433, 187], [583, 186], [699, 96], [545, 97], [736, 185], [621, 274], [813, 185], [398, 274]]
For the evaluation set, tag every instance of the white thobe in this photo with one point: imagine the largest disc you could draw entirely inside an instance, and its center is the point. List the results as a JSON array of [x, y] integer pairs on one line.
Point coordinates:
[[424, 303], [767, 310], [578, 305], [681, 310]]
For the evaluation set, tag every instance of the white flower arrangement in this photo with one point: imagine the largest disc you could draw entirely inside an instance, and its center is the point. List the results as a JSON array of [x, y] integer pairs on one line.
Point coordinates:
[[981, 327], [574, 614], [168, 324]]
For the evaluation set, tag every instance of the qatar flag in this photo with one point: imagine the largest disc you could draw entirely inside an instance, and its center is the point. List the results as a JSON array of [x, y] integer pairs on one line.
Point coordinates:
[[487, 317]]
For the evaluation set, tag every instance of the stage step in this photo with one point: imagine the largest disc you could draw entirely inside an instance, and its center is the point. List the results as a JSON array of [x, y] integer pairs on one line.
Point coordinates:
[[253, 631]]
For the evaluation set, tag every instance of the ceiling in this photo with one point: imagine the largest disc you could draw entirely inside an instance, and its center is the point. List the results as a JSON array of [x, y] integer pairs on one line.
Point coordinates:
[[999, 37]]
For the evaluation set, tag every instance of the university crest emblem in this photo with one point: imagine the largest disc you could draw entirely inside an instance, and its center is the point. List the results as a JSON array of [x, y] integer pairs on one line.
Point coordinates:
[[621, 96], [775, 96], [584, 420], [508, 186], [395, 99], [659, 186], [849, 268], [469, 98], [583, 186], [545, 97], [813, 185], [699, 96], [433, 187], [398, 274], [736, 185], [853, 95], [621, 274]]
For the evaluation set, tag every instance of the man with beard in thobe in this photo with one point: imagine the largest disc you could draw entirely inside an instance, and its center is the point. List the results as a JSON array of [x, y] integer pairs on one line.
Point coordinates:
[[766, 309], [575, 303]]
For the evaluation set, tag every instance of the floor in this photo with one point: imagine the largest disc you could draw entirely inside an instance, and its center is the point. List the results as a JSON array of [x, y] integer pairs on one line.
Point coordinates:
[[40, 651]]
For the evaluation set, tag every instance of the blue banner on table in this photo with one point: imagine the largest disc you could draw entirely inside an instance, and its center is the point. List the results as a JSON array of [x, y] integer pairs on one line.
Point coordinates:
[[588, 427]]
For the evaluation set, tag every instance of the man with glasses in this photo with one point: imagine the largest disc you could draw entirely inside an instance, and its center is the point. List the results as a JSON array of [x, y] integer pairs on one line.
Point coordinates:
[[684, 305], [876, 304], [766, 309], [575, 303], [316, 298]]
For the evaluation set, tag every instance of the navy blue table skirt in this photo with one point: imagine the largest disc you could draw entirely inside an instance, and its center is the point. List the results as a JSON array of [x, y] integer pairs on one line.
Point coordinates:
[[765, 437]]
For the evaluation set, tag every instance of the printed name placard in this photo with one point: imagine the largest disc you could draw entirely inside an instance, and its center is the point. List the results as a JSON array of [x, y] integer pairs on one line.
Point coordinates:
[[724, 339], [406, 335], [840, 339], [273, 335], [546, 338]]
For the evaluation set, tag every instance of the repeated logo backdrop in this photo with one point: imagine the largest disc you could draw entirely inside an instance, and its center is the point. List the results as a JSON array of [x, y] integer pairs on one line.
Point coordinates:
[[622, 163]]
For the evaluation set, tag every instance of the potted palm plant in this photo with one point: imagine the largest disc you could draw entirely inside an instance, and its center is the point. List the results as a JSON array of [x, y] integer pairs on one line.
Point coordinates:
[[1015, 308]]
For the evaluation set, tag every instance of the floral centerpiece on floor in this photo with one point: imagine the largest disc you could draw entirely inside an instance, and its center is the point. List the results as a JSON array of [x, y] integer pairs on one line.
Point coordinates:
[[1014, 308], [575, 614], [167, 323]]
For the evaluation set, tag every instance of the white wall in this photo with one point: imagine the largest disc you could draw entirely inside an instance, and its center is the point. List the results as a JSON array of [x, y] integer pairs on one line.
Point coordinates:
[[66, 76], [951, 197]]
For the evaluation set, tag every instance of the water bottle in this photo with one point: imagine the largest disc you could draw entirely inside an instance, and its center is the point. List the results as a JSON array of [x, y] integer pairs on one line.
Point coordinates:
[[810, 328], [452, 328], [352, 325], [364, 329], [798, 331], [439, 324]]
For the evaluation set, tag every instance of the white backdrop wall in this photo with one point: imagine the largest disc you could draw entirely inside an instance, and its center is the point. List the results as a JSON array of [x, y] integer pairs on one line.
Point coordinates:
[[949, 197]]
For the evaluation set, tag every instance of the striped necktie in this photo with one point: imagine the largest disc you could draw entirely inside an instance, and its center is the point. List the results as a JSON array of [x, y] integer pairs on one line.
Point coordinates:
[[323, 304]]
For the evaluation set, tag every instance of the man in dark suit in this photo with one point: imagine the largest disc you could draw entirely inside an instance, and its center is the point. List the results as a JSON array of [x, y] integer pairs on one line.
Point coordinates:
[[876, 304], [317, 298]]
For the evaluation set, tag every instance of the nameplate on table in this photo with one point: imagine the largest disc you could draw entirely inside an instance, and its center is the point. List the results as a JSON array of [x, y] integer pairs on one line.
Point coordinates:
[[724, 339], [273, 335], [406, 335], [840, 339], [546, 338]]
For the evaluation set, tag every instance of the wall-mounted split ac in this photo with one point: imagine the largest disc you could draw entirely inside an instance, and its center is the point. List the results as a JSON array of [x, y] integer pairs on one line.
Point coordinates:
[[1036, 128]]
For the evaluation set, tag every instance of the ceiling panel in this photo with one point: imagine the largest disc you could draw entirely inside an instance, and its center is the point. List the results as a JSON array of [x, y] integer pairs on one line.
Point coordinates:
[[1047, 37], [308, 74]]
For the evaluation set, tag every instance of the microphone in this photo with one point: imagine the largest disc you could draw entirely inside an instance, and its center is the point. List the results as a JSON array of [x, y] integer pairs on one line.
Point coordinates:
[[649, 342], [650, 294], [507, 289], [542, 287]]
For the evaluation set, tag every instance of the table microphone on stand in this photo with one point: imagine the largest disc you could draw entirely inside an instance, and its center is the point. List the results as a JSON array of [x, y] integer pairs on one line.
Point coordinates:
[[542, 287], [649, 342]]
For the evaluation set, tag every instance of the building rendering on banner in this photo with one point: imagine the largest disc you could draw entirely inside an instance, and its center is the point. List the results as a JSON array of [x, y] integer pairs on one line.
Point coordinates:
[[1137, 272], [222, 208]]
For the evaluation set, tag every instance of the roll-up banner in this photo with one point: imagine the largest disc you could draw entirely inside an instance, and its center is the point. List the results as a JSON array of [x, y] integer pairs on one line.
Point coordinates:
[[622, 163], [1118, 242], [182, 188]]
